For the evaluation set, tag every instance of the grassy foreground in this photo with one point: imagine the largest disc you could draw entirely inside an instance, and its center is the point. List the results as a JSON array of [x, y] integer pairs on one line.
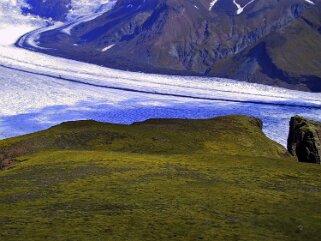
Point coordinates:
[[217, 179]]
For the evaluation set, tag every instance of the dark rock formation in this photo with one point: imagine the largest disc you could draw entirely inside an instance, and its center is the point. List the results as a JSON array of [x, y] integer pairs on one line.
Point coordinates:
[[305, 140]]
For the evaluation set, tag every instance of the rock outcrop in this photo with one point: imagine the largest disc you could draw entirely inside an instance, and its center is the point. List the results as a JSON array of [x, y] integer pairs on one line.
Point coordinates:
[[305, 140]]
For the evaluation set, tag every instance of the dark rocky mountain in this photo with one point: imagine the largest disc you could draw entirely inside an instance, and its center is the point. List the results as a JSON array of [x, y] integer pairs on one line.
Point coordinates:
[[55, 9], [275, 42], [305, 140]]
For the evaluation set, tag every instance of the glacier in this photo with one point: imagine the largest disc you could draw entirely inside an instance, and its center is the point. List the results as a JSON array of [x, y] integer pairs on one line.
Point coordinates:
[[39, 90]]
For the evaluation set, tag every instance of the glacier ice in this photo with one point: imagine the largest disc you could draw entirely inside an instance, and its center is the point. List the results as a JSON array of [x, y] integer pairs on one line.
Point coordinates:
[[38, 90]]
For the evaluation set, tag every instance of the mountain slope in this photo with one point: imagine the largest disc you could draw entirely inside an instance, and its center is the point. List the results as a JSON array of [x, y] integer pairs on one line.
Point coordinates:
[[287, 57], [57, 10], [258, 42], [217, 179]]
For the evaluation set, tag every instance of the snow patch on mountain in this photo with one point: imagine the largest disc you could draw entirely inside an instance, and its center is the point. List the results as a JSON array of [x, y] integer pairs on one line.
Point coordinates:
[[212, 4], [309, 1], [107, 48], [85, 11], [240, 8], [80, 8], [69, 26]]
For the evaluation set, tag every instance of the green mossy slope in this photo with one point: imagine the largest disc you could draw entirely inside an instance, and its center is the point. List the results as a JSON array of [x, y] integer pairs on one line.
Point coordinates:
[[218, 179]]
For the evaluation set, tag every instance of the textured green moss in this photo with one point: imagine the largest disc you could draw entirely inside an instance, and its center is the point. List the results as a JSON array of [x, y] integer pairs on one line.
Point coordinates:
[[218, 179]]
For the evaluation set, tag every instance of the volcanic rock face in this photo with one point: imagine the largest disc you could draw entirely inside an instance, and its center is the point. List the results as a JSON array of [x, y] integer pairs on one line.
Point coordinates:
[[276, 42], [305, 140]]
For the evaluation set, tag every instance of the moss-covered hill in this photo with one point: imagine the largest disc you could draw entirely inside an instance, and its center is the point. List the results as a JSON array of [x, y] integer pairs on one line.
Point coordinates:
[[217, 179]]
